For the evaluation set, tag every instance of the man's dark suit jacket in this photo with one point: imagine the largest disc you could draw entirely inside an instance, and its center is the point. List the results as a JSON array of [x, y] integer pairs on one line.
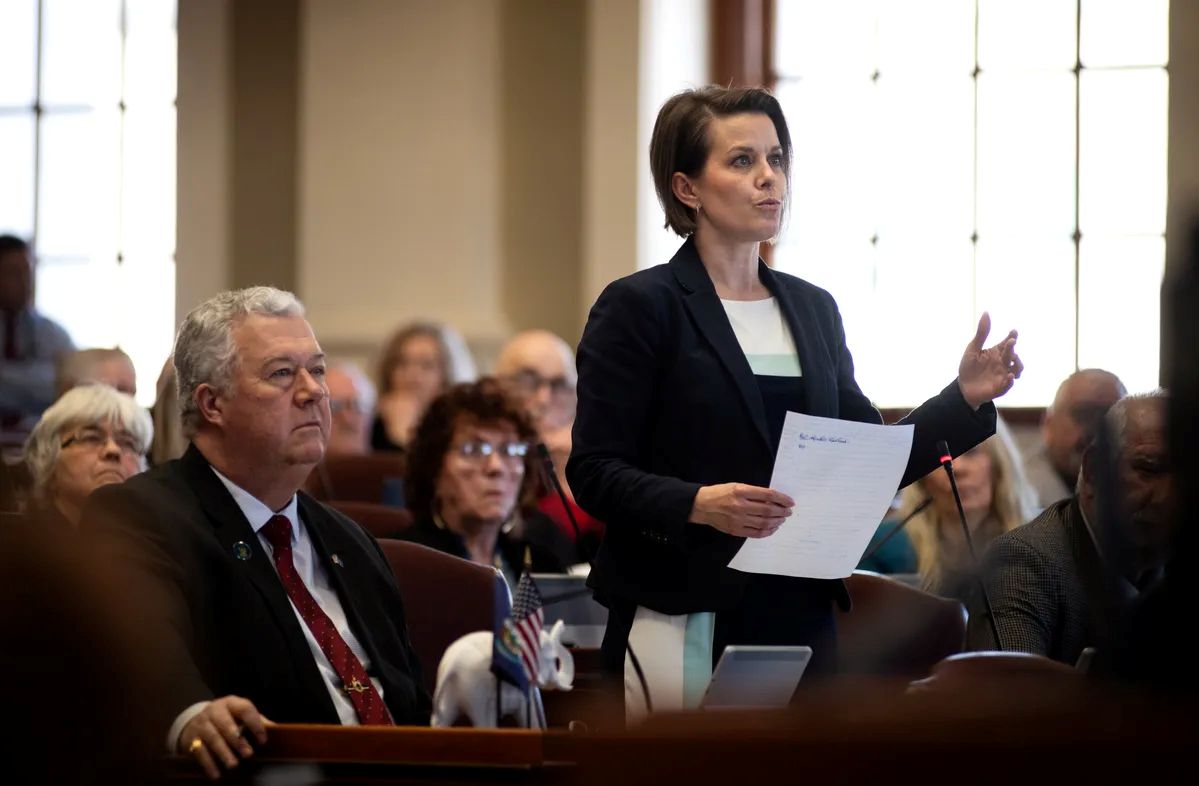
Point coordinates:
[[668, 402], [224, 625], [1046, 585]]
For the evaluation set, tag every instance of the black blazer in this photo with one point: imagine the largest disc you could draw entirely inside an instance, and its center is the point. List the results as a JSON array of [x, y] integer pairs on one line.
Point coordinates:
[[668, 402], [224, 625]]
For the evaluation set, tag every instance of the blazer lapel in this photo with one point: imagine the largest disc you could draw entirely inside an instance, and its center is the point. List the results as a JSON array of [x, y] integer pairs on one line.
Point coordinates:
[[705, 308], [820, 389], [235, 534]]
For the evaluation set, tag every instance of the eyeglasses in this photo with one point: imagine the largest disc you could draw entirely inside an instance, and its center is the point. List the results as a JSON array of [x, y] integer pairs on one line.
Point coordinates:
[[93, 438], [478, 450], [528, 383], [337, 405]]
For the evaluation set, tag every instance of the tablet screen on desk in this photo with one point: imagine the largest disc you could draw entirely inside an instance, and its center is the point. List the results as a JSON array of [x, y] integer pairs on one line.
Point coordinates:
[[756, 677]]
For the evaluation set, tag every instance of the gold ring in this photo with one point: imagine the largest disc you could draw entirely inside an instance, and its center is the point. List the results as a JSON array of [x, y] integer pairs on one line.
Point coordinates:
[[196, 745]]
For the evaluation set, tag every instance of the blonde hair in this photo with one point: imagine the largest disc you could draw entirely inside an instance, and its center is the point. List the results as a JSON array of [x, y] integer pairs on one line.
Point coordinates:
[[1012, 504]]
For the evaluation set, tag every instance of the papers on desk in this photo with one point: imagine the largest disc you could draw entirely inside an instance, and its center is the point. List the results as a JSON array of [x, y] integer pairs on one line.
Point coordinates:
[[842, 476]]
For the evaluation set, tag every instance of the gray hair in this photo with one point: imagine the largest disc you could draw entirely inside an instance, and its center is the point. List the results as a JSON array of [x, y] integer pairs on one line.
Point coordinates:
[[86, 405], [1116, 423], [366, 394], [204, 350]]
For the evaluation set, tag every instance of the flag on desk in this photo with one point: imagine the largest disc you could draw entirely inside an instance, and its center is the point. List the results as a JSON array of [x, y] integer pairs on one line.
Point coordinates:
[[506, 662], [527, 618]]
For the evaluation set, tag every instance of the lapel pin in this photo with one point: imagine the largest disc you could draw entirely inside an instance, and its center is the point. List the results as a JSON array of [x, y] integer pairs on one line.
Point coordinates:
[[337, 561], [241, 550]]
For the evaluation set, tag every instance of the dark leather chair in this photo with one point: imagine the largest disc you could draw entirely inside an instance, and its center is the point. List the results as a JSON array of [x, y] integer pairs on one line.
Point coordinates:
[[375, 477], [444, 599], [381, 521], [896, 630]]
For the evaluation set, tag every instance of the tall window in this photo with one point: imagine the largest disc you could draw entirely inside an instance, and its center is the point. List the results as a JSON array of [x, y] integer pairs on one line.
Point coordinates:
[[955, 156], [87, 163]]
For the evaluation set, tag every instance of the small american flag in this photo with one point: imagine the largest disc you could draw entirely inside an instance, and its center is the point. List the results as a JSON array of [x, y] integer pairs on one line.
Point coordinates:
[[527, 617]]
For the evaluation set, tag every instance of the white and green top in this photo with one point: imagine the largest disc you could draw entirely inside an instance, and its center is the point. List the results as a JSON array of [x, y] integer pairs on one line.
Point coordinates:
[[764, 338]]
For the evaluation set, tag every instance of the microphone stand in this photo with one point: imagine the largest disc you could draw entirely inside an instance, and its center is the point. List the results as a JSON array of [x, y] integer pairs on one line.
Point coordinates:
[[915, 512], [547, 464], [947, 463]]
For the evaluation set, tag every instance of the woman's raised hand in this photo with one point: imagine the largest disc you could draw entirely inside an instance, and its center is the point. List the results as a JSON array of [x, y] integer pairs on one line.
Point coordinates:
[[986, 374], [741, 510]]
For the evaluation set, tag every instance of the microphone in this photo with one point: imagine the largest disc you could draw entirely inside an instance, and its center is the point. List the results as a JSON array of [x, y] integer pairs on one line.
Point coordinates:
[[547, 463], [947, 463], [916, 512]]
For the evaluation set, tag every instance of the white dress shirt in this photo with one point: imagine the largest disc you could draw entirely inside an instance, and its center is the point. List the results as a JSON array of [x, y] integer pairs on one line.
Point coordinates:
[[316, 579]]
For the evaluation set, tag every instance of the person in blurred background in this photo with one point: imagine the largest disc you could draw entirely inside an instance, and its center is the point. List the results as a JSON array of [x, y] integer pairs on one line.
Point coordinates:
[[352, 403], [169, 442], [32, 344], [1068, 427], [1047, 580], [420, 361], [995, 497], [468, 467], [110, 367], [538, 368], [92, 436]]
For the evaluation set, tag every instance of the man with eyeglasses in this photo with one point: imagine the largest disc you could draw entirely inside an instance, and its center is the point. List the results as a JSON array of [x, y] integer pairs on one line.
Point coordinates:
[[352, 405]]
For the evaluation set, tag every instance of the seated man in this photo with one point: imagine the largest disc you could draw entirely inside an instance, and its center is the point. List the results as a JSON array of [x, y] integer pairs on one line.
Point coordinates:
[[110, 367], [538, 368], [1068, 427], [32, 344], [352, 402], [266, 603], [1049, 580]]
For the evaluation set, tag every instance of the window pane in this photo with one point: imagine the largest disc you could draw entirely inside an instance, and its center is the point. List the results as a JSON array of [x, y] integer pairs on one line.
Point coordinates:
[[926, 157], [78, 293], [1125, 32], [148, 211], [1026, 153], [1122, 151], [1119, 314], [926, 35], [18, 54], [146, 286], [81, 52], [150, 52], [820, 37], [16, 173], [833, 174], [78, 198], [1026, 34], [1029, 286]]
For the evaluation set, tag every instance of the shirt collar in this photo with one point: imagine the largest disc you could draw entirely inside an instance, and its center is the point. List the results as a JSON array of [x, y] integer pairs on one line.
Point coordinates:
[[255, 511], [1126, 587]]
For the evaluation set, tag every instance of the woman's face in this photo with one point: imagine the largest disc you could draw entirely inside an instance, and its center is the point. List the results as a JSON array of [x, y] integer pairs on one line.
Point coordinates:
[[418, 371], [91, 457], [741, 189], [481, 473], [976, 484]]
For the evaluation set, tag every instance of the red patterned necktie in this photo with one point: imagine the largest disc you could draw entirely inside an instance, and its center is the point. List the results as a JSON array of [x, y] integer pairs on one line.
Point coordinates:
[[355, 682]]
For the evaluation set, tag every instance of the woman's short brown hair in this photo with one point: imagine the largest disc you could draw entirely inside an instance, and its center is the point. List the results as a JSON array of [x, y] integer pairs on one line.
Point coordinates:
[[483, 402], [680, 140]]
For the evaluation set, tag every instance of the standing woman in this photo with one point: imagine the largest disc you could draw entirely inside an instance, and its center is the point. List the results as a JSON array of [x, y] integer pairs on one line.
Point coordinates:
[[686, 372]]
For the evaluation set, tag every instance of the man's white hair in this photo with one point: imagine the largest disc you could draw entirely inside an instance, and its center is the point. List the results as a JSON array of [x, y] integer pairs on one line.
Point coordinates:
[[80, 407], [204, 350]]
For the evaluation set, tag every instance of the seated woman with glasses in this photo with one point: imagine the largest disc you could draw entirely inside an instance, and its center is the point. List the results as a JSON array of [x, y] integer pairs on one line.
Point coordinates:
[[470, 465], [92, 436]]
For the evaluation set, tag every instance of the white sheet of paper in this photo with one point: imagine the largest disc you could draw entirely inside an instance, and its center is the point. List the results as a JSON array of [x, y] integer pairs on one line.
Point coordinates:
[[842, 476]]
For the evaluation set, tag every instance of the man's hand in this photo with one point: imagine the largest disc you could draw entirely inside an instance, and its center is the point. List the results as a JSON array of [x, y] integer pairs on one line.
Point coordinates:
[[215, 738], [741, 510]]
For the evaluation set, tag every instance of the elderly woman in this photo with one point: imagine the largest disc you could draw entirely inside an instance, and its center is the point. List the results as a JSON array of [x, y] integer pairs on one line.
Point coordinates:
[[92, 436], [421, 361], [468, 469]]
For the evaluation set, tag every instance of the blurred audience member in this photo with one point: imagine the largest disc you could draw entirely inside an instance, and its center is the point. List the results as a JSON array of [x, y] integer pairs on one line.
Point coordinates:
[[1068, 427], [169, 442], [420, 362], [538, 368], [1047, 580], [468, 467], [352, 402], [110, 367], [32, 344], [995, 497], [90, 437]]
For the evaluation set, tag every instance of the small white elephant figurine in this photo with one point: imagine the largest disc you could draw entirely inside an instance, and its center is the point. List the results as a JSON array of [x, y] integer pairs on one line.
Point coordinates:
[[466, 685]]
